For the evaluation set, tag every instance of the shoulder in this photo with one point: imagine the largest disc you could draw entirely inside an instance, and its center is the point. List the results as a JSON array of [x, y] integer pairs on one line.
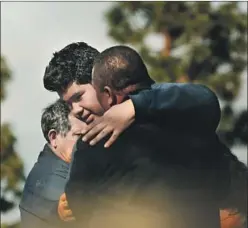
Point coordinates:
[[46, 180], [144, 133], [130, 143]]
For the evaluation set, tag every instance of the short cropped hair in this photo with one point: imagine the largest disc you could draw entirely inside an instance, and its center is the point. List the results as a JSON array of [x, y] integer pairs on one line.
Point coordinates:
[[71, 64], [119, 67], [56, 116]]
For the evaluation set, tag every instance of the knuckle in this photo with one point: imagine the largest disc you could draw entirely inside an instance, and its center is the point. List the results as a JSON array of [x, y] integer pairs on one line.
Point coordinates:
[[90, 133], [96, 128]]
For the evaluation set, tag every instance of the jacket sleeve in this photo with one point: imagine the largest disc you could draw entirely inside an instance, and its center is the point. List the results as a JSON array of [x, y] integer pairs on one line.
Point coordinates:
[[181, 105]]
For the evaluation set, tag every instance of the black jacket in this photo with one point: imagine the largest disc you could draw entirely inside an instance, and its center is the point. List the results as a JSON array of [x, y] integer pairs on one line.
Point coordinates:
[[187, 166], [191, 107]]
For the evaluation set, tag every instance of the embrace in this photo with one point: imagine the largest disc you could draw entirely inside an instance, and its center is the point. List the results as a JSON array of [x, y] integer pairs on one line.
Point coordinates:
[[125, 152]]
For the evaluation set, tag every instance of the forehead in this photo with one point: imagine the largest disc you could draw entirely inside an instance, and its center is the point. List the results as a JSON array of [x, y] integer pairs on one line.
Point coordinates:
[[74, 89]]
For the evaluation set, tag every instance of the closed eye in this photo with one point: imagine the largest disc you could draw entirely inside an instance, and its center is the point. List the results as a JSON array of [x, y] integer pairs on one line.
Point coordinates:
[[79, 97], [78, 134], [76, 97]]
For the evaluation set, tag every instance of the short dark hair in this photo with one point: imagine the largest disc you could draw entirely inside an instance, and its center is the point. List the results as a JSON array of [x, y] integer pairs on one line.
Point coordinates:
[[56, 116], [71, 64], [119, 67]]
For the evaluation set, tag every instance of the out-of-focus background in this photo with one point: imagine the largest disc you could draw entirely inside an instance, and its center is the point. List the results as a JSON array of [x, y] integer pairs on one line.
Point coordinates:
[[180, 42]]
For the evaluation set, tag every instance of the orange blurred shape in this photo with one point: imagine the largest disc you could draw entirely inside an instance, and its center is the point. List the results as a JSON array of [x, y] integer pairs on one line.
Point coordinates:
[[182, 79], [231, 219], [64, 211], [228, 218]]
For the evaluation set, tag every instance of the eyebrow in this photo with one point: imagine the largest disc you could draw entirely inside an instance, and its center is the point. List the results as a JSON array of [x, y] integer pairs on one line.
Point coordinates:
[[75, 95]]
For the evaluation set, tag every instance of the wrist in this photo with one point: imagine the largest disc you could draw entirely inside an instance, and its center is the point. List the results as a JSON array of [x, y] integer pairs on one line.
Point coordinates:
[[131, 110], [140, 107]]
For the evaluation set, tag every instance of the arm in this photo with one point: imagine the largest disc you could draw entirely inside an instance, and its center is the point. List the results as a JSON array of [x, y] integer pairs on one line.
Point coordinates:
[[188, 107], [182, 105]]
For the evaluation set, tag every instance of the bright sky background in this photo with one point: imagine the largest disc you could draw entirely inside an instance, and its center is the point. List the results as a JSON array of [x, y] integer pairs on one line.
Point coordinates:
[[30, 33]]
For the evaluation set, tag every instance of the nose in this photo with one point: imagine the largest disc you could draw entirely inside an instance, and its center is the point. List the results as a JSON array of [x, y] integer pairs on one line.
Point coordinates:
[[77, 110]]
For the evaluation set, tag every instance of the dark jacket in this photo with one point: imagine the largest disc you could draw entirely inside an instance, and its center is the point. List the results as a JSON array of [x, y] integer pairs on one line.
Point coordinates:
[[189, 108], [141, 157], [193, 107], [43, 188]]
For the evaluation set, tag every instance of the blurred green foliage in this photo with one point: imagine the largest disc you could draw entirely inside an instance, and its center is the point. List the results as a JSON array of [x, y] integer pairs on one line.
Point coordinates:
[[202, 43], [12, 170]]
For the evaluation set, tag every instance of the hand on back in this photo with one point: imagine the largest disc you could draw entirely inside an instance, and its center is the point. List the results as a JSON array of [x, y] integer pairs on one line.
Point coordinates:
[[64, 211]]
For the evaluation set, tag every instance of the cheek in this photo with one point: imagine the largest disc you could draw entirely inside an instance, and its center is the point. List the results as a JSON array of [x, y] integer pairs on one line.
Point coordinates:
[[92, 103], [76, 108], [61, 145], [104, 102], [69, 144], [102, 99]]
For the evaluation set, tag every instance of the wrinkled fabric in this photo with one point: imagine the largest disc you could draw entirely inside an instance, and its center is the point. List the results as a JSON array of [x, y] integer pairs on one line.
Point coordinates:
[[193, 107]]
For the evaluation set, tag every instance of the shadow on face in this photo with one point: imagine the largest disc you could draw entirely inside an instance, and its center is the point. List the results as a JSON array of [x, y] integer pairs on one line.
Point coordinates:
[[63, 144]]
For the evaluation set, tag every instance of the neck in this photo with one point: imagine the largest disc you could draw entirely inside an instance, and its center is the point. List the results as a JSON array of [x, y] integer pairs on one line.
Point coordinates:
[[120, 98], [123, 95], [62, 156]]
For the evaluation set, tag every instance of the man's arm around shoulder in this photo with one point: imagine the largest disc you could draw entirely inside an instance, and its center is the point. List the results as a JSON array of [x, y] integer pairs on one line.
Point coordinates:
[[179, 104]]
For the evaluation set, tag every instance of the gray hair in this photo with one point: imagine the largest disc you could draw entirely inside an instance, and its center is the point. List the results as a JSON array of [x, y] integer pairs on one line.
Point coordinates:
[[55, 116]]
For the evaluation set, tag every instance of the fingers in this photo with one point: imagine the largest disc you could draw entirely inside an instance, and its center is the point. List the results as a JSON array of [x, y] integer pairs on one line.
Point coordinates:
[[93, 132], [64, 211], [112, 139], [90, 119], [62, 207], [62, 197], [99, 132], [65, 214], [86, 129], [68, 219], [89, 127], [65, 205], [103, 133]]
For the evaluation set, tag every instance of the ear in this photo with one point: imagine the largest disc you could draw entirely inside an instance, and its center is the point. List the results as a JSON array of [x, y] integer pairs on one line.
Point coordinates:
[[52, 135], [111, 98]]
